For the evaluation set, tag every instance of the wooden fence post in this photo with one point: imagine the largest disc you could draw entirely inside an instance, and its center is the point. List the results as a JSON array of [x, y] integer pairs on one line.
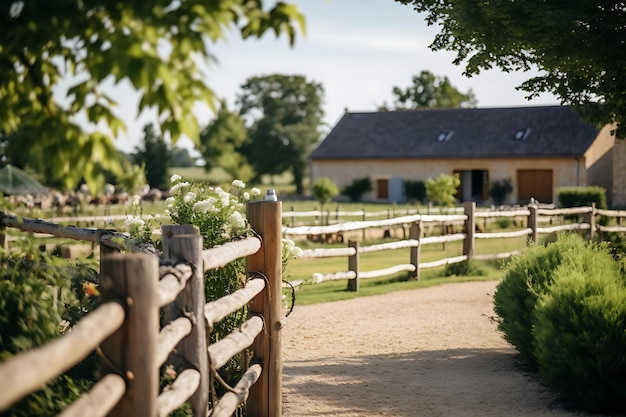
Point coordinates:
[[183, 244], [470, 227], [363, 217], [590, 218], [353, 265], [532, 222], [265, 398], [415, 234], [131, 351]]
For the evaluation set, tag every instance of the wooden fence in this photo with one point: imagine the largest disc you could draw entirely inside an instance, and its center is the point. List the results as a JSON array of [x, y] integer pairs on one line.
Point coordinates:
[[134, 289], [531, 215]]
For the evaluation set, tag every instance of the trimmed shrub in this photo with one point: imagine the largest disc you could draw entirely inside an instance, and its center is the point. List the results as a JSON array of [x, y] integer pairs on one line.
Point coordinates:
[[415, 190], [464, 269], [526, 277], [500, 189], [357, 188], [580, 337], [582, 196]]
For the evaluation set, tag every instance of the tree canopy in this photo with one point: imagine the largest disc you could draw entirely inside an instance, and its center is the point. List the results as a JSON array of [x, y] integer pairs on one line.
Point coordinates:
[[430, 91], [155, 155], [158, 46], [222, 144], [579, 47], [283, 114]]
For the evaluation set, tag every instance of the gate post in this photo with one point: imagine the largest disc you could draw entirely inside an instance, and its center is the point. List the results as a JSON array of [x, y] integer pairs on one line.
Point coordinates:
[[265, 398]]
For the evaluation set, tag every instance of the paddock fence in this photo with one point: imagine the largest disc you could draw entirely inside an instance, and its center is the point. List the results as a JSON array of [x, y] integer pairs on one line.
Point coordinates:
[[136, 289], [528, 220]]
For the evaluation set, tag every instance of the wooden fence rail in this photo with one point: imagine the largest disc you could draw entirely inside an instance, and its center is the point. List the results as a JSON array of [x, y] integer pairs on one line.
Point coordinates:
[[530, 215], [124, 329]]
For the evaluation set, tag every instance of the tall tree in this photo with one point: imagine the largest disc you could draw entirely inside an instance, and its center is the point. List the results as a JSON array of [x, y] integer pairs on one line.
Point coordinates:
[[222, 144], [155, 45], [429, 91], [578, 46], [283, 114], [155, 155]]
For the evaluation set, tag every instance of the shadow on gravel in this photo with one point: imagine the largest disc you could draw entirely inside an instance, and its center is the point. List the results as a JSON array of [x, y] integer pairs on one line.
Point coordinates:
[[452, 382]]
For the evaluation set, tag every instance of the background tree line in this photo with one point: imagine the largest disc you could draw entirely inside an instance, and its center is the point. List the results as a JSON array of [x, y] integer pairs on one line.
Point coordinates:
[[44, 46]]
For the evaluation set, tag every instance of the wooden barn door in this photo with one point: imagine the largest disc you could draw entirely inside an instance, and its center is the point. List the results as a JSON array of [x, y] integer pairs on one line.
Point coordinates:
[[534, 183]]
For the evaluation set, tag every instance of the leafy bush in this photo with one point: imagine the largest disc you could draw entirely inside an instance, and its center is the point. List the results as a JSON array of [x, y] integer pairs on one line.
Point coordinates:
[[355, 190], [36, 299], [504, 222], [324, 189], [580, 337], [467, 268], [500, 189], [442, 190], [526, 277], [582, 196], [415, 190]]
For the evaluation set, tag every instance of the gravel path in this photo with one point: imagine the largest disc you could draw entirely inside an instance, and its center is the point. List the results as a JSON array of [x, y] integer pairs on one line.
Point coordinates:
[[427, 352]]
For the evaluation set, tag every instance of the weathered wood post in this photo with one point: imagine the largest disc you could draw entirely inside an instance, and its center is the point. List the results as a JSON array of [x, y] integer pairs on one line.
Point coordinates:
[[590, 218], [363, 217], [353, 265], [265, 398], [131, 351], [415, 233], [470, 227], [532, 222], [182, 243]]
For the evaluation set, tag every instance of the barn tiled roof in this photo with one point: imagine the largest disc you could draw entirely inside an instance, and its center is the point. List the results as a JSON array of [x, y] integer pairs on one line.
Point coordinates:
[[544, 131]]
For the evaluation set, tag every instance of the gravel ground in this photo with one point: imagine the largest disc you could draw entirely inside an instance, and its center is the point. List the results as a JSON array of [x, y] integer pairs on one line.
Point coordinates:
[[426, 352]]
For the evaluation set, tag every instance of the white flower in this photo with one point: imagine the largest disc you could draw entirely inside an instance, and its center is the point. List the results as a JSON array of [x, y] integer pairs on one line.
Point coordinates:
[[255, 191], [297, 252], [317, 278], [178, 186], [246, 196], [189, 197], [223, 196], [236, 220], [238, 184], [170, 202], [133, 221], [136, 200], [175, 178], [204, 206]]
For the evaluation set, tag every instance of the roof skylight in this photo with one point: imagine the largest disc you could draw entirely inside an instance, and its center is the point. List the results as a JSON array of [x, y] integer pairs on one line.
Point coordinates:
[[522, 134], [445, 135]]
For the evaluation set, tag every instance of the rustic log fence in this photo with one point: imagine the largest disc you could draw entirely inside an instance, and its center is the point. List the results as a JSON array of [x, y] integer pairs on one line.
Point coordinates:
[[124, 330], [531, 215]]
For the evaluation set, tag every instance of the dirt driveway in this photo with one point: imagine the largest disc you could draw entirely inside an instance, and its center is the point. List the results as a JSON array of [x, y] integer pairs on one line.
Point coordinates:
[[427, 352]]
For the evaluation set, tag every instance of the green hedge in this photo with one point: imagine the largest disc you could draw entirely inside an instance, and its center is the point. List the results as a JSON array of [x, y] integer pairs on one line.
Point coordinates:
[[582, 196], [580, 338], [526, 277], [563, 306]]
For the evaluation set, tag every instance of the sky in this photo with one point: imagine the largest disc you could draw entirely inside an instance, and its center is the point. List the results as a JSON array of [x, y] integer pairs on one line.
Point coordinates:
[[358, 50]]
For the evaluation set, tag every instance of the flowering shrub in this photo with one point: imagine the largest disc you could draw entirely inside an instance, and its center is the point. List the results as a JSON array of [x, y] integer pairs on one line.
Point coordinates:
[[217, 213]]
